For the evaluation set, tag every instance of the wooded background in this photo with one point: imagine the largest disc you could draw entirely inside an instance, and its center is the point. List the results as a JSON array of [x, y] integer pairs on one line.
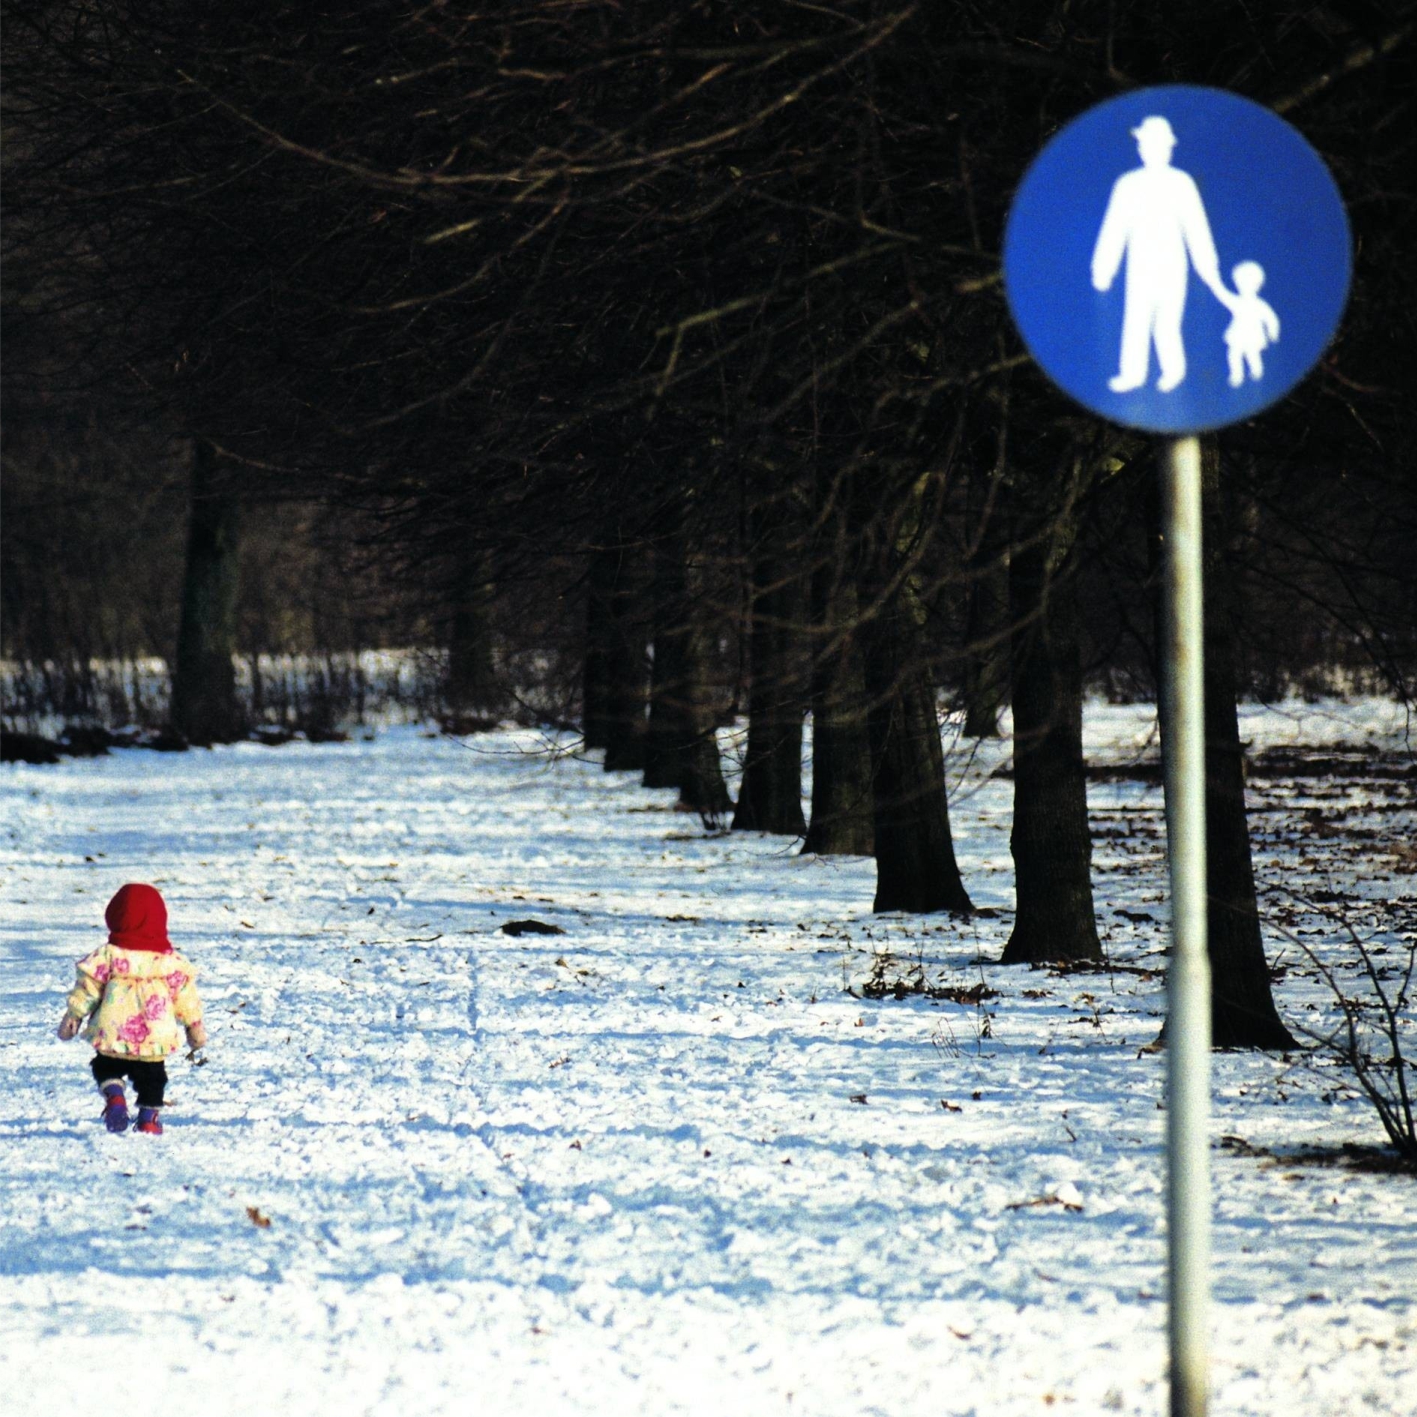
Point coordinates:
[[650, 364]]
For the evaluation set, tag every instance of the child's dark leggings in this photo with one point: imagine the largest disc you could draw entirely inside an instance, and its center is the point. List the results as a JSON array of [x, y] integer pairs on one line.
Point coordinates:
[[150, 1079]]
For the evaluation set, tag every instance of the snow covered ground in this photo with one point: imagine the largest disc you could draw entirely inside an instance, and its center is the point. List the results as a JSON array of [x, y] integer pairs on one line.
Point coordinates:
[[663, 1163]]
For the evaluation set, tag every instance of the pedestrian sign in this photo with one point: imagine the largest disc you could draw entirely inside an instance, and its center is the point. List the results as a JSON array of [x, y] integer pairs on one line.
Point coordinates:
[[1177, 258]]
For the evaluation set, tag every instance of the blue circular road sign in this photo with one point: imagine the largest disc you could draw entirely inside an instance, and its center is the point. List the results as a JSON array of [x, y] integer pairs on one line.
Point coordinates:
[[1177, 258]]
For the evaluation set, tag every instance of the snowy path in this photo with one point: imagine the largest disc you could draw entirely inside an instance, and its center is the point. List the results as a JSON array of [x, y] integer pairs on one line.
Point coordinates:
[[621, 1170]]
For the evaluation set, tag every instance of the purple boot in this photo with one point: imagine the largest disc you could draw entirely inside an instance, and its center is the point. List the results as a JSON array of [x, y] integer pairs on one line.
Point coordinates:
[[149, 1121], [115, 1107]]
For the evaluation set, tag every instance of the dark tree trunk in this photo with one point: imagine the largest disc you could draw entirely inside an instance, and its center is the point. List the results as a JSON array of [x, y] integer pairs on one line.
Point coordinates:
[[1242, 1003], [987, 620], [472, 677], [915, 860], [842, 800], [204, 703], [599, 631], [770, 796], [1051, 843], [670, 727], [617, 666], [681, 749], [1243, 1014]]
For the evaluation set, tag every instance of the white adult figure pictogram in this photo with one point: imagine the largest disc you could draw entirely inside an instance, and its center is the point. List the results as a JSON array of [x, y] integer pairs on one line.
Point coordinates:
[[1155, 218]]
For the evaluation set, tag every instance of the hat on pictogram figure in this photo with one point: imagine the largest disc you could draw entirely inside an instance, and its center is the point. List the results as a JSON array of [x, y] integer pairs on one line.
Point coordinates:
[[1155, 126]]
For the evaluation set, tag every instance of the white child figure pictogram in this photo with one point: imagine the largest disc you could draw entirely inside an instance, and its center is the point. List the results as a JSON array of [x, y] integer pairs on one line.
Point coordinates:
[[1253, 324]]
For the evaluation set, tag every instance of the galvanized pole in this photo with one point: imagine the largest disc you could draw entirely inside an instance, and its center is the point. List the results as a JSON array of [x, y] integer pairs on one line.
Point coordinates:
[[1188, 1001]]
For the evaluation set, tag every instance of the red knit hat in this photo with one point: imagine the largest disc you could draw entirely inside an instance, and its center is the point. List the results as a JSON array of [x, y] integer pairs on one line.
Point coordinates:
[[137, 920]]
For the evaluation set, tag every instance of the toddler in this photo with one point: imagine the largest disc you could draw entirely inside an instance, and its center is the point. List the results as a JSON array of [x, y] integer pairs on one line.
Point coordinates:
[[1253, 324], [135, 991]]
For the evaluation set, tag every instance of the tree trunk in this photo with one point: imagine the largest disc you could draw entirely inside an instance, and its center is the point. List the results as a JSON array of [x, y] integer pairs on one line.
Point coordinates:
[[617, 666], [670, 727], [842, 802], [1243, 1014], [599, 631], [1050, 841], [770, 796], [681, 749], [204, 704], [472, 677], [915, 860], [987, 619]]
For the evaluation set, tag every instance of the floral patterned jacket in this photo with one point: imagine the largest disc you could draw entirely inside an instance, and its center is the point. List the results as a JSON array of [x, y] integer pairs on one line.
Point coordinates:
[[135, 1001]]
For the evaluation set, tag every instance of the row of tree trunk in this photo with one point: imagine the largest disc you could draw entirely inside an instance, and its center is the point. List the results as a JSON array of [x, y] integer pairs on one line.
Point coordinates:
[[844, 638]]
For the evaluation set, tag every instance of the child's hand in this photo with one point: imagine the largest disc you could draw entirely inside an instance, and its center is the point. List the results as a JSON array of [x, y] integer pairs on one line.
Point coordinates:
[[69, 1027], [197, 1035], [1225, 296]]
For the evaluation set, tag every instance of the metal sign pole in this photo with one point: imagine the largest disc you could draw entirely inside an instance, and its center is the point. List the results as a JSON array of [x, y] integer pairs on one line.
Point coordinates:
[[1188, 978]]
